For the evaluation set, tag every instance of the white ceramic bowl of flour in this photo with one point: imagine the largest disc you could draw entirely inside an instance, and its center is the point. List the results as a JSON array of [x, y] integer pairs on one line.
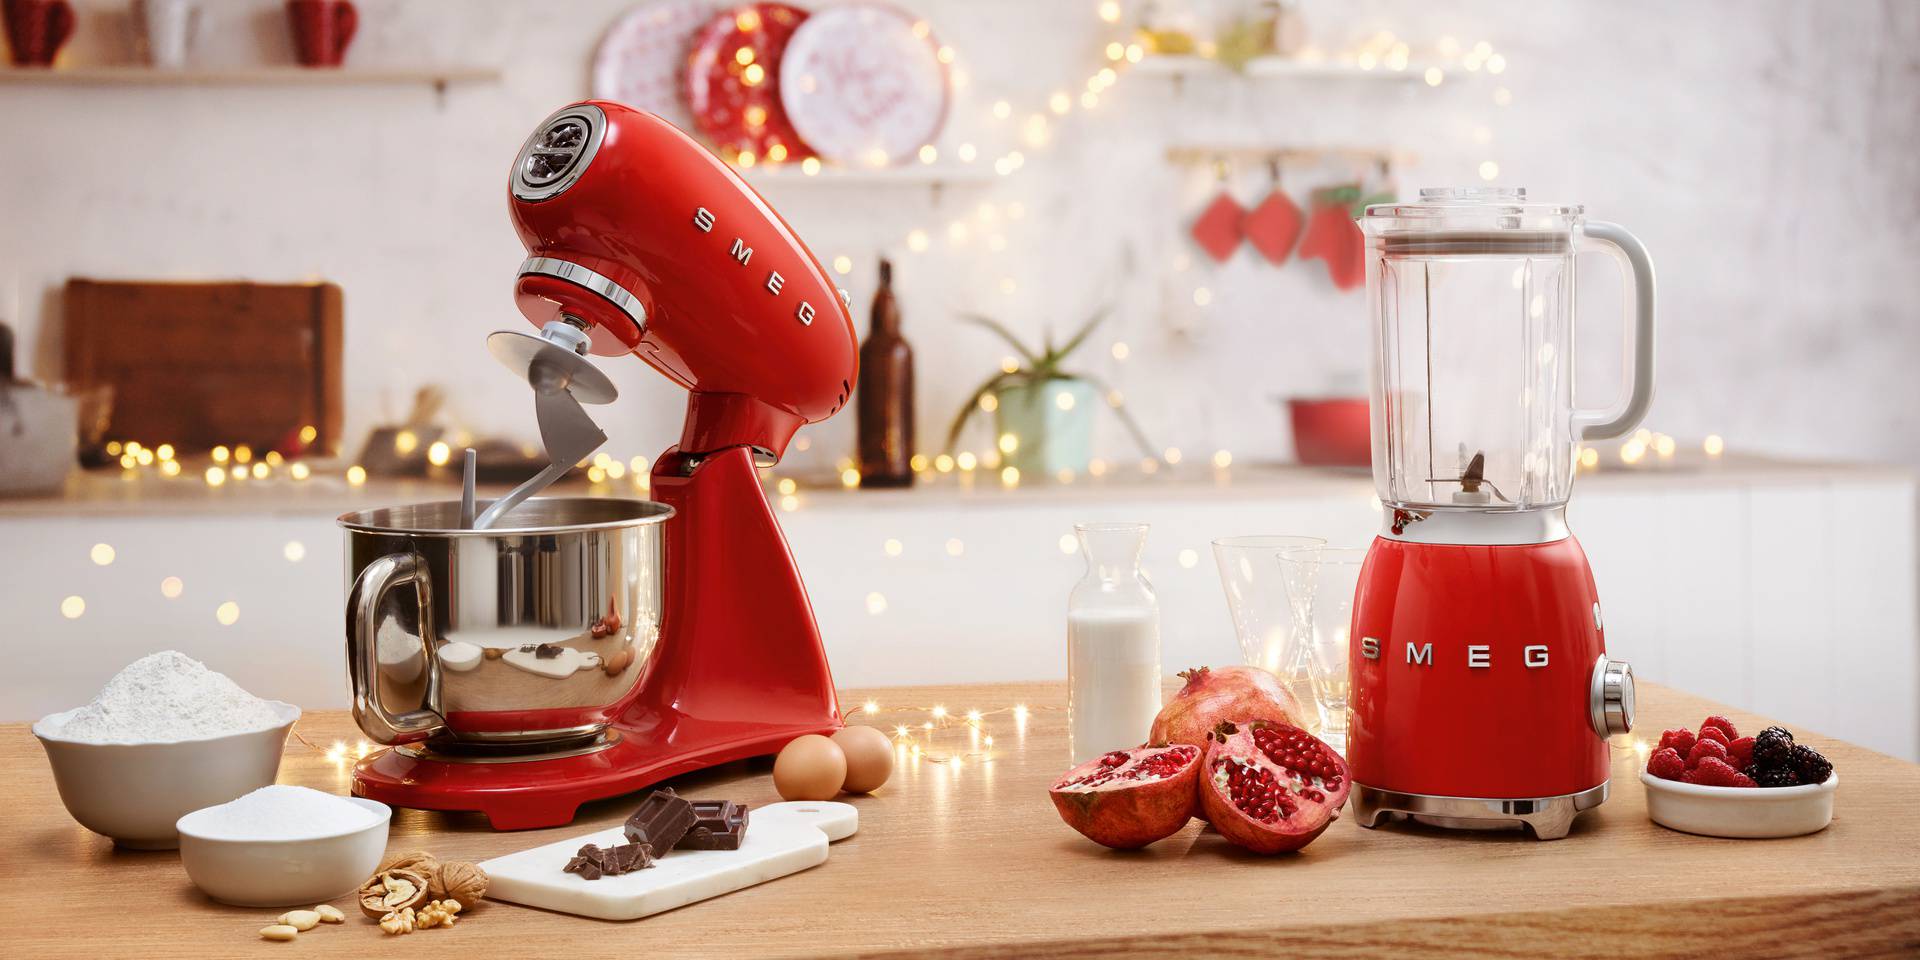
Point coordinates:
[[284, 846], [165, 737]]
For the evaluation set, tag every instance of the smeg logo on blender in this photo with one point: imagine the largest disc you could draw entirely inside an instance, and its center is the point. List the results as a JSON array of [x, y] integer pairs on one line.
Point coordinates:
[[741, 253], [1479, 656]]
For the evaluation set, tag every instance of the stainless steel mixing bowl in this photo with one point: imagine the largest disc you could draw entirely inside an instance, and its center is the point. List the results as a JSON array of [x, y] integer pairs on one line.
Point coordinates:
[[531, 633]]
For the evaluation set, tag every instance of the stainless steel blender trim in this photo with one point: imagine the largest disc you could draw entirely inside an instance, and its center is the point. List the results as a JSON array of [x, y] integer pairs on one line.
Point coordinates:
[[1548, 817], [599, 283]]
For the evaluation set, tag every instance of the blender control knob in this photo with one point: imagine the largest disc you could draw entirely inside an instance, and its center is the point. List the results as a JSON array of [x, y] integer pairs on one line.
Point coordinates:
[[1612, 703]]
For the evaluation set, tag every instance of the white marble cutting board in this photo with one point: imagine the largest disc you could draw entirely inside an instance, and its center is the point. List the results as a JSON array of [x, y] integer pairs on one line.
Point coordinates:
[[782, 838]]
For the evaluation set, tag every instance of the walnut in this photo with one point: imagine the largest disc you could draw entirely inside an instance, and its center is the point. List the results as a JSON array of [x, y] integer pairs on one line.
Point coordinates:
[[439, 913], [399, 921], [458, 880], [392, 891], [418, 861]]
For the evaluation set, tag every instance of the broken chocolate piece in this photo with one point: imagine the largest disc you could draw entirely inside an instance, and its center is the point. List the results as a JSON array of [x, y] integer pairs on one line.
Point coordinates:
[[663, 818], [546, 651], [718, 825], [594, 861]]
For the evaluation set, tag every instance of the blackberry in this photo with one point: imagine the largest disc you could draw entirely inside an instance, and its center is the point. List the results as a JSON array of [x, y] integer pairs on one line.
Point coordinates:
[[1810, 765], [1774, 776], [1772, 747]]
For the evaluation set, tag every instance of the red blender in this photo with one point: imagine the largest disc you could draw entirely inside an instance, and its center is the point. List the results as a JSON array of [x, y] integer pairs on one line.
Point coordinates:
[[1482, 694], [559, 650]]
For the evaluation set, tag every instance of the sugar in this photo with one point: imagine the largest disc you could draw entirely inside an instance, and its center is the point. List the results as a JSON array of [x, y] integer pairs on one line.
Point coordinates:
[[282, 813], [166, 696]]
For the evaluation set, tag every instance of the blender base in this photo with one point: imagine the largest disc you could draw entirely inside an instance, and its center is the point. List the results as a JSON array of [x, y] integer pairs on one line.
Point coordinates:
[[541, 790], [1549, 818]]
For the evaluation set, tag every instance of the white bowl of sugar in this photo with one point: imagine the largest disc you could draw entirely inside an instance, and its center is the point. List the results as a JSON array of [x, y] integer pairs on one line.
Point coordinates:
[[166, 736], [282, 846]]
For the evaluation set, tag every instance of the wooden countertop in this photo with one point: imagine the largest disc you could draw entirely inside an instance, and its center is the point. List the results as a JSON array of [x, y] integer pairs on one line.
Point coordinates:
[[969, 860]]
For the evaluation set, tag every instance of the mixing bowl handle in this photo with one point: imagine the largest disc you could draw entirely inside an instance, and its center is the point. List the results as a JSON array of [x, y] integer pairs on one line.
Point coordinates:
[[364, 603], [1627, 250]]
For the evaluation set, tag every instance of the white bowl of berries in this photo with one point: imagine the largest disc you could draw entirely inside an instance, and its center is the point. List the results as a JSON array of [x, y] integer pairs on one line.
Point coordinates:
[[1717, 783]]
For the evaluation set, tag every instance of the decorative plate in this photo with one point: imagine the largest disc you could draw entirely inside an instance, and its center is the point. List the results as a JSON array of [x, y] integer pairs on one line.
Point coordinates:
[[863, 83], [733, 82], [642, 59]]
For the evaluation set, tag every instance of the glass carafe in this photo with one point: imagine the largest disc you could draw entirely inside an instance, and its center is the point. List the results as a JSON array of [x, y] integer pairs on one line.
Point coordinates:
[[1472, 387], [1113, 643]]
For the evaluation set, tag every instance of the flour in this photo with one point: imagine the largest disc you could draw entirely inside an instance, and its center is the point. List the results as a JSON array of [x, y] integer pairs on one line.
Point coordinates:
[[281, 813], [166, 696]]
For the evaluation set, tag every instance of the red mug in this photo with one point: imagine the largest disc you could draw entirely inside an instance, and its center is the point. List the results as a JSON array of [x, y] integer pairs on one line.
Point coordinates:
[[322, 29], [36, 29]]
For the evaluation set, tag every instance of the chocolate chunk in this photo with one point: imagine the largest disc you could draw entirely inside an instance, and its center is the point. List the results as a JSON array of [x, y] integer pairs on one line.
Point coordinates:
[[594, 861], [663, 818], [717, 825], [546, 651]]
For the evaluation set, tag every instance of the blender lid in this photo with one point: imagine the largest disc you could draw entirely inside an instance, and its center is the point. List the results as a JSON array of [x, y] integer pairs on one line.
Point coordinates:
[[1453, 221]]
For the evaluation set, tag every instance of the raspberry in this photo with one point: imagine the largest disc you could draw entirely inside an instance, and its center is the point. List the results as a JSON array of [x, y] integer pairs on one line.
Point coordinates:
[[1679, 738], [1725, 725], [1666, 764], [1740, 752], [1809, 764], [1774, 776], [1704, 750], [1715, 734], [1714, 772]]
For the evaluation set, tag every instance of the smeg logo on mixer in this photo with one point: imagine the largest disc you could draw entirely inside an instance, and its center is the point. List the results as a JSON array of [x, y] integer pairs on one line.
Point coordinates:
[[1479, 656], [742, 254]]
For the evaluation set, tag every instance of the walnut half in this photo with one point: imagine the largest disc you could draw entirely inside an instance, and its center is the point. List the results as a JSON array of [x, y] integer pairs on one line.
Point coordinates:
[[392, 891]]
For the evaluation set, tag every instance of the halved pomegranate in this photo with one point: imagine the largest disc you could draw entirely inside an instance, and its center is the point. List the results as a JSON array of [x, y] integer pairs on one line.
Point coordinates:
[[1237, 694], [1130, 798], [1270, 786]]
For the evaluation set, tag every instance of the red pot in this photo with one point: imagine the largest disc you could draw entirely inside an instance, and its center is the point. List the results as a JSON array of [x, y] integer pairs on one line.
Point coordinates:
[[36, 30], [1332, 432], [322, 29]]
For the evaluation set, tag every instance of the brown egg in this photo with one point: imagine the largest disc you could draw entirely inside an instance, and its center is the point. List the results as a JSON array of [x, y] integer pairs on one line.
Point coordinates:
[[810, 768], [869, 758]]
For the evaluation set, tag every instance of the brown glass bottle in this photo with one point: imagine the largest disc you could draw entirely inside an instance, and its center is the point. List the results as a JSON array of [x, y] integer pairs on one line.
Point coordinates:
[[885, 394]]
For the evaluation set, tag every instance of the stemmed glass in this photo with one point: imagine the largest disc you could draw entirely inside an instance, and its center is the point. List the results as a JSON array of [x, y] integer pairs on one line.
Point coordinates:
[[1257, 598], [1320, 585]]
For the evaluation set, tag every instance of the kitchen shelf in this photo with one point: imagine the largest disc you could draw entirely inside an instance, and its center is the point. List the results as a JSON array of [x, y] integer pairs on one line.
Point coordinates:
[[437, 77], [912, 174], [1277, 68]]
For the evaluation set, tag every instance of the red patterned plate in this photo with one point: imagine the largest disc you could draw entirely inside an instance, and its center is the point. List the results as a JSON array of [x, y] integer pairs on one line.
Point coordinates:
[[863, 83], [643, 57], [733, 81]]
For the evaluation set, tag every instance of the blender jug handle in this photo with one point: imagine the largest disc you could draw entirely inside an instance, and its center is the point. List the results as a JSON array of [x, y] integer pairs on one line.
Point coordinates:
[[364, 603], [1632, 257]]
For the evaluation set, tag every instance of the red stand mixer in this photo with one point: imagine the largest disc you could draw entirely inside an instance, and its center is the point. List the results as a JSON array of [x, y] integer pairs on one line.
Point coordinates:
[[1482, 695], [639, 241]]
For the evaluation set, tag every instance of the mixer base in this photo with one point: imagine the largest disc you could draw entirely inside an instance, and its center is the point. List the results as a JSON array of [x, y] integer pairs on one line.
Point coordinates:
[[1549, 818], [547, 790]]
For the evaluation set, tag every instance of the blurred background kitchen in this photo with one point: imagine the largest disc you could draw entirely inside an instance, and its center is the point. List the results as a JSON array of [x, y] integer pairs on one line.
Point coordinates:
[[257, 223]]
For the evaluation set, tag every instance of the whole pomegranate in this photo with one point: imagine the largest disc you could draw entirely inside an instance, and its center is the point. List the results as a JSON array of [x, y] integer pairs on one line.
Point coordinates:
[[1233, 694], [1130, 798], [1270, 786]]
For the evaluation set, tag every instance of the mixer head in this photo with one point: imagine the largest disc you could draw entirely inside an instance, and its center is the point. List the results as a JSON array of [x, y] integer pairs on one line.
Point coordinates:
[[647, 243]]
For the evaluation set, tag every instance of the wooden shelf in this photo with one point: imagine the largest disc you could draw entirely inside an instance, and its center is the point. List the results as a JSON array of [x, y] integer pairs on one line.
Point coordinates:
[[1278, 68], [247, 76], [910, 174]]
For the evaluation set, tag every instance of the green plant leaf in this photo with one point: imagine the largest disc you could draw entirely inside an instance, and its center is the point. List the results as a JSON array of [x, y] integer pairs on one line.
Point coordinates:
[[1080, 336], [1005, 334], [1126, 418], [967, 410]]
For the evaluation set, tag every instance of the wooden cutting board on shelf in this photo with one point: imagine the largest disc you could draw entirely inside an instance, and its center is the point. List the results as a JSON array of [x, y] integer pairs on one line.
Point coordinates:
[[201, 364]]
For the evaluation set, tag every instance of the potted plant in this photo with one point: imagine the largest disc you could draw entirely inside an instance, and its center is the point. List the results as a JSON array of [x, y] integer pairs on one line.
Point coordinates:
[[1042, 413]]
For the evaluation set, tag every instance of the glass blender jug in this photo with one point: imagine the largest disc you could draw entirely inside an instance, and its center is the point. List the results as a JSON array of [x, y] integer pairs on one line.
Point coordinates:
[[1482, 695], [1473, 353]]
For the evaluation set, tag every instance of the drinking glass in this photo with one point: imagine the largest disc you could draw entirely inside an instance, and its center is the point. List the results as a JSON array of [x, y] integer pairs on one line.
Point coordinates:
[[1262, 616], [1320, 585]]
